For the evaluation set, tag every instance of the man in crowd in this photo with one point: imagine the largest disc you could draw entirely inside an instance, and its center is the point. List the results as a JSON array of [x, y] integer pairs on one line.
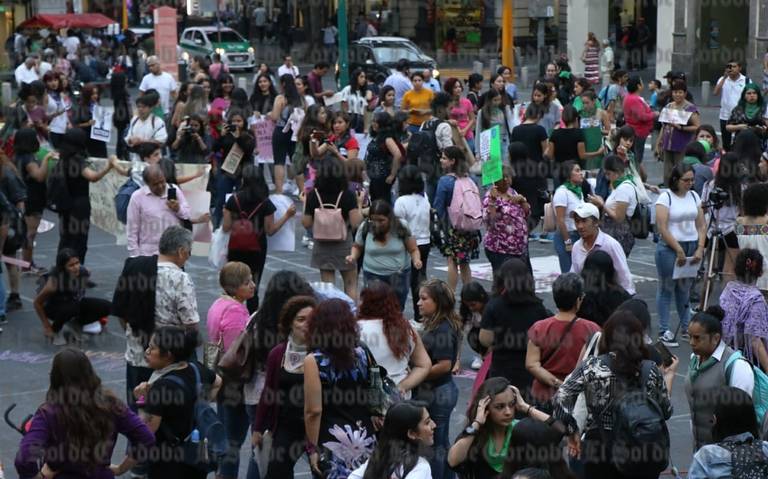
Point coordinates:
[[287, 68], [259, 20], [587, 218], [162, 82], [399, 81], [28, 71], [153, 208], [729, 87], [315, 79], [430, 82]]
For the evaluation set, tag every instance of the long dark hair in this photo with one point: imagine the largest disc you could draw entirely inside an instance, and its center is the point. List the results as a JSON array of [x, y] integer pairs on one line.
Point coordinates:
[[729, 177], [258, 100], [395, 450], [64, 281], [254, 187], [84, 410], [384, 208], [485, 118], [331, 177], [734, 414], [333, 331], [219, 90], [514, 283], [491, 387], [598, 272], [624, 335], [25, 141], [444, 299], [378, 301], [290, 92], [472, 291]]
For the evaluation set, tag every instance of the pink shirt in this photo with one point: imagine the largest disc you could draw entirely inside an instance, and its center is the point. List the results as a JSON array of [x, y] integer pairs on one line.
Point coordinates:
[[461, 114], [148, 217], [226, 320]]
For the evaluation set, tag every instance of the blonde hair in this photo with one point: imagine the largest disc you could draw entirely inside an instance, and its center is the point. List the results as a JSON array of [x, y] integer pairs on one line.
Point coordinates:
[[233, 275]]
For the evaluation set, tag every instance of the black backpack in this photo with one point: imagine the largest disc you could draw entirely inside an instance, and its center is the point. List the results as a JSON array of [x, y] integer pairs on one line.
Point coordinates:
[[640, 222], [639, 441], [423, 151]]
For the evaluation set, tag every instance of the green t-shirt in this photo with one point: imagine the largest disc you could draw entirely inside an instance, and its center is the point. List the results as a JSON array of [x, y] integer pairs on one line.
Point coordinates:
[[383, 259]]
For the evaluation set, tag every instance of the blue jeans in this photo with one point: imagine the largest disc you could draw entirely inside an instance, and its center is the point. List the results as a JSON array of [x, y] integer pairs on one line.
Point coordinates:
[[400, 282], [236, 423], [223, 185], [668, 287], [562, 255], [441, 406]]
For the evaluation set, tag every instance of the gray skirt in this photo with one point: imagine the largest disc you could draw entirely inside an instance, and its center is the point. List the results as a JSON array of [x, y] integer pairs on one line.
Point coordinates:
[[332, 255]]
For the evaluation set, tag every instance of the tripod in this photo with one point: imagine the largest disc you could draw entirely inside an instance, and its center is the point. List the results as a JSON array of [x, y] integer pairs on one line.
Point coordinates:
[[712, 253]]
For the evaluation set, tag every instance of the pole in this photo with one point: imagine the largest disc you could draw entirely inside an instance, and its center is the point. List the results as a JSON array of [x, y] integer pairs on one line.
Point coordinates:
[[508, 35], [343, 44]]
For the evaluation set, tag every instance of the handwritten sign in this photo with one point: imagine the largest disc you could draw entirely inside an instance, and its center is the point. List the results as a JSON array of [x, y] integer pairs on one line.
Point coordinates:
[[674, 117], [233, 159], [490, 155], [102, 129], [262, 129]]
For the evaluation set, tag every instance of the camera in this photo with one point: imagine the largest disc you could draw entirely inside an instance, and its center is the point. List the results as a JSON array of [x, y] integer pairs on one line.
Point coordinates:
[[717, 198]]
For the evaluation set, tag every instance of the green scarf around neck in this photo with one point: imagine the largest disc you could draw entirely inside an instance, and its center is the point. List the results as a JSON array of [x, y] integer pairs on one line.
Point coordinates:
[[691, 160], [575, 189], [751, 110], [627, 177], [496, 459]]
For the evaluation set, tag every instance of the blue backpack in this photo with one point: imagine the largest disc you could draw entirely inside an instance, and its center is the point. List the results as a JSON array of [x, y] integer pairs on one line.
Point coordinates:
[[206, 444], [759, 393], [123, 198]]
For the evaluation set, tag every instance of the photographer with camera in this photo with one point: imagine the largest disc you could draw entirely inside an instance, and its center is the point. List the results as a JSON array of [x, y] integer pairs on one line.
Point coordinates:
[[191, 141], [721, 203]]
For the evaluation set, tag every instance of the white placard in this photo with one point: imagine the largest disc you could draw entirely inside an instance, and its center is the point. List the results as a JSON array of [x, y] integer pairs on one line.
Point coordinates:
[[688, 270], [675, 117], [285, 238], [102, 129]]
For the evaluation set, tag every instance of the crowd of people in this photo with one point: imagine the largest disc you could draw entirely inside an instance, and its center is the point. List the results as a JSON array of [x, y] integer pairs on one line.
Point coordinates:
[[380, 179]]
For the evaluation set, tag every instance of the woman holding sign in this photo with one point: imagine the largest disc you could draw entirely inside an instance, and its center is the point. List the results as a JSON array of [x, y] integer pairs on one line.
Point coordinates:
[[234, 150], [679, 122], [83, 118]]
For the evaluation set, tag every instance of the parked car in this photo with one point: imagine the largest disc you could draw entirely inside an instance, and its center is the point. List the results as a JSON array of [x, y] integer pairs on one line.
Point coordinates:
[[377, 56], [235, 50]]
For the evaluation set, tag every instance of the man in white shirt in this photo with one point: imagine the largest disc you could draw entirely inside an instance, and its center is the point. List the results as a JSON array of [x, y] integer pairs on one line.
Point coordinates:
[[606, 62], [145, 127], [160, 81], [260, 20], [399, 81], [28, 71], [729, 86], [287, 68], [71, 43]]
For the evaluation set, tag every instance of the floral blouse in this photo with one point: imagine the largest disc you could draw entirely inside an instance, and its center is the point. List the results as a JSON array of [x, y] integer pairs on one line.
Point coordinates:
[[508, 231]]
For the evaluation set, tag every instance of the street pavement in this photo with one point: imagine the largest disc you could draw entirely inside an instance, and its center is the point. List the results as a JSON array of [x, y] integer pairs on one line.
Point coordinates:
[[25, 356]]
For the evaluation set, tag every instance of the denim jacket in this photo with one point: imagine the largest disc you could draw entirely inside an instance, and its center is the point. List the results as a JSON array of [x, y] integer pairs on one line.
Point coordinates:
[[714, 461]]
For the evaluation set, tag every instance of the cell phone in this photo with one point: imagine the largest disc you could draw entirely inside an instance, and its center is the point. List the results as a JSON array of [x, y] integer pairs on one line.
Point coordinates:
[[171, 194], [666, 356]]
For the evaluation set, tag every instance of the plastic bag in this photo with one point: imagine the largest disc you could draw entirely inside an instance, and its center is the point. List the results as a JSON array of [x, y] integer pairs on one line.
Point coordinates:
[[217, 256]]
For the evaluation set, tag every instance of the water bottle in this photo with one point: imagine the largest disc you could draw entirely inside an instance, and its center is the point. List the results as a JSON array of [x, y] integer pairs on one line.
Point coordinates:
[[194, 436]]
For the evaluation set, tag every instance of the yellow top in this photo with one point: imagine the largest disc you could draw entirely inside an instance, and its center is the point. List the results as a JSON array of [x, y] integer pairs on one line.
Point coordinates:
[[419, 100]]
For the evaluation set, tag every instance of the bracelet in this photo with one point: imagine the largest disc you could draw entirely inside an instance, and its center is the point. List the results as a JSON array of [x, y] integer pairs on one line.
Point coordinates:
[[528, 412]]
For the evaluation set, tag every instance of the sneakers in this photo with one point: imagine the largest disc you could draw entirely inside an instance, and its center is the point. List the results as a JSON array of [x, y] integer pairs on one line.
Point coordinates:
[[59, 339], [306, 241], [13, 303], [477, 363], [34, 269], [668, 339], [92, 328]]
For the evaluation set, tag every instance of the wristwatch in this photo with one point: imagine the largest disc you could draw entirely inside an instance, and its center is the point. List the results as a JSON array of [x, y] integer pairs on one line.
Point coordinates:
[[471, 430]]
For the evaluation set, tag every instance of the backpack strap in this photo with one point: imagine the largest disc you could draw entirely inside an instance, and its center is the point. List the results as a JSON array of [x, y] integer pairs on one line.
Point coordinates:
[[560, 342], [319, 200], [338, 199], [249, 216], [729, 365]]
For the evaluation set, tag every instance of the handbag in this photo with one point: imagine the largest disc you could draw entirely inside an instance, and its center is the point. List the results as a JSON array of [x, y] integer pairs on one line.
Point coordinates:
[[580, 408], [237, 362], [382, 391], [217, 255], [550, 223]]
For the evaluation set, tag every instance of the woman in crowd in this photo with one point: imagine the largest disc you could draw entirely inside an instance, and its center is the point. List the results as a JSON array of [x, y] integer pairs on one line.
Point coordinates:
[[57, 108], [580, 86], [749, 113], [311, 139], [169, 406], [386, 101], [492, 114], [302, 86], [74, 431], [555, 344], [596, 124], [474, 298], [235, 132], [591, 58], [282, 145], [568, 196], [412, 207], [404, 439], [730, 178], [474, 86], [513, 295], [673, 138], [509, 85], [707, 371], [389, 336], [387, 248], [222, 96], [33, 173], [263, 95], [462, 111], [602, 293], [227, 318], [528, 143], [252, 204], [498, 83], [625, 358], [568, 144], [506, 218], [750, 225], [240, 101], [745, 328], [638, 115], [75, 212], [121, 118], [266, 71], [335, 371], [459, 247], [355, 99], [483, 447], [177, 111], [737, 445], [681, 225], [341, 142], [545, 96], [330, 256], [281, 407], [62, 299], [442, 333], [82, 118], [417, 102], [197, 103], [620, 205]]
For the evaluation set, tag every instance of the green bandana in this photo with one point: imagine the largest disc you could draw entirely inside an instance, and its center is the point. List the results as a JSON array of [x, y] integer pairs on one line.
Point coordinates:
[[575, 189], [628, 177], [751, 110], [691, 160], [706, 145], [695, 368], [496, 459]]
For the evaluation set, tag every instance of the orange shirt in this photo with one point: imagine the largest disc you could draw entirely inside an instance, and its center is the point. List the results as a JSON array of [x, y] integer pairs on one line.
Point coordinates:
[[421, 100]]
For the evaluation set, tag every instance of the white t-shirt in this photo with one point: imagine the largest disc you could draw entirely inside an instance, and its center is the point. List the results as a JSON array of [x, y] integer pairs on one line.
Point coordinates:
[[682, 214], [58, 123], [420, 471], [25, 75], [164, 84], [372, 334], [329, 35], [282, 70], [565, 197], [625, 193], [153, 128], [730, 95], [414, 211], [355, 101], [72, 44]]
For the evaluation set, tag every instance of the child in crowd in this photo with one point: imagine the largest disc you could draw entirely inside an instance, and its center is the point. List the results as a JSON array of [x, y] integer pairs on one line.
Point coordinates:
[[474, 297]]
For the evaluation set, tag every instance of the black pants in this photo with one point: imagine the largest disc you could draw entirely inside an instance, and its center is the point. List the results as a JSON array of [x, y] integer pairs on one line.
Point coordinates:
[[726, 137], [122, 146], [86, 311], [379, 189], [598, 459], [73, 227], [255, 260], [418, 276], [287, 448]]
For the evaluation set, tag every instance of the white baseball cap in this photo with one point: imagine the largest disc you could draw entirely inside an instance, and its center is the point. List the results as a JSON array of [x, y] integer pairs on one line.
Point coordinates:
[[585, 210]]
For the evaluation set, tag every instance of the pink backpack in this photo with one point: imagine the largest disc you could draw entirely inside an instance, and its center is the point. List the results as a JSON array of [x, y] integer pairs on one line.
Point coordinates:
[[329, 224], [466, 208]]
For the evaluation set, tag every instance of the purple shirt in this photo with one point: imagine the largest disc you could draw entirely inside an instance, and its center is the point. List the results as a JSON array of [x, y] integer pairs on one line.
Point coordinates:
[[46, 440], [148, 216], [603, 242], [677, 140], [315, 84]]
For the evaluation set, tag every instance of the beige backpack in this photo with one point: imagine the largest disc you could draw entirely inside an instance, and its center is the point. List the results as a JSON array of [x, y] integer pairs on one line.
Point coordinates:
[[329, 224]]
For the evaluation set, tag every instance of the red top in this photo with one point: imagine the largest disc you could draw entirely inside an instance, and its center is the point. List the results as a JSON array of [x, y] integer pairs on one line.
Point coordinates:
[[546, 334], [638, 115]]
